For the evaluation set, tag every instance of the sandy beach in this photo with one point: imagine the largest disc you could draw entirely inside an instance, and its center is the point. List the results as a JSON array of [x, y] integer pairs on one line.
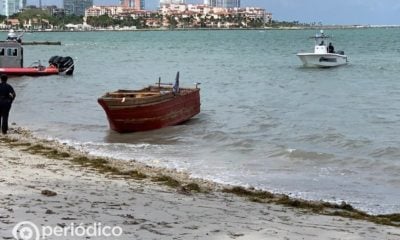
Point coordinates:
[[53, 189]]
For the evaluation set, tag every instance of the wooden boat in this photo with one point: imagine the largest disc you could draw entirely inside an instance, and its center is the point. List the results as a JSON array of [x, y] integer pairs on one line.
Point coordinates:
[[12, 62], [150, 108]]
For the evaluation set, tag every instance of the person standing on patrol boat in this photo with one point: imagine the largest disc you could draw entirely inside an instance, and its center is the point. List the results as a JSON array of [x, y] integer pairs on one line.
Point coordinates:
[[331, 49], [7, 96]]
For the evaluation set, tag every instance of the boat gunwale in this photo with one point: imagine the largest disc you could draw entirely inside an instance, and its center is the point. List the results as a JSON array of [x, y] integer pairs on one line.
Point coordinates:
[[321, 54], [119, 100], [145, 94]]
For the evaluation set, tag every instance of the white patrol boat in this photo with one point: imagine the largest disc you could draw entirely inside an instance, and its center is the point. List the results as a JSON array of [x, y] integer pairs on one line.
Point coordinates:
[[324, 55]]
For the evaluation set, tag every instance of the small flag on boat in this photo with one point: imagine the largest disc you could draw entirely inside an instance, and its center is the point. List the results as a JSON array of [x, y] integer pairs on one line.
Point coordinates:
[[175, 88]]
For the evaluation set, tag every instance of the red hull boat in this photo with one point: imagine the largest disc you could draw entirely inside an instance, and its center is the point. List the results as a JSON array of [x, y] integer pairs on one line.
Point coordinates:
[[30, 71], [12, 58], [149, 108]]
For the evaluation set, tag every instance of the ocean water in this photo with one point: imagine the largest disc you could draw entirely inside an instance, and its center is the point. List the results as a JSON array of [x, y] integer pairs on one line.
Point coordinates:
[[265, 121]]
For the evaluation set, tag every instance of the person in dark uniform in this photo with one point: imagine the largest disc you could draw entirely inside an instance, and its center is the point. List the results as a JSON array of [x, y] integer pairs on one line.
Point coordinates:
[[331, 49], [7, 95]]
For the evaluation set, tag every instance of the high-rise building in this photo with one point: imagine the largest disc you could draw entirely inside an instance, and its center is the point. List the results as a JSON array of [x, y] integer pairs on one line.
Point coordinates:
[[9, 7], [77, 7], [163, 2], [137, 4], [223, 3], [125, 3]]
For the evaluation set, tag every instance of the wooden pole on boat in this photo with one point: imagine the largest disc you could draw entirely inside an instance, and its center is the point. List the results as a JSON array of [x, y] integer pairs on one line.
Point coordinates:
[[175, 87]]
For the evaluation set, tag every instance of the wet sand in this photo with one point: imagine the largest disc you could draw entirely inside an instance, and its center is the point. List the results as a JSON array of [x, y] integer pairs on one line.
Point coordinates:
[[53, 192]]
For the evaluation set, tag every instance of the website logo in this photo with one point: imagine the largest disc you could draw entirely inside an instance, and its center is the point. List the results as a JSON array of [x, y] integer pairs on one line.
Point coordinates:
[[27, 230]]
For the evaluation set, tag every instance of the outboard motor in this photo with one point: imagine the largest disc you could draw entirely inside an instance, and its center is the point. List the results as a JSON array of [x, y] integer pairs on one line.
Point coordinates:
[[64, 64], [340, 52]]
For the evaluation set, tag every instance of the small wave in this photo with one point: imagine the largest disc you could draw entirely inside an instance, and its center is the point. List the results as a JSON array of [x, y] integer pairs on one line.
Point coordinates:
[[336, 140], [304, 155], [355, 144], [246, 145], [217, 135], [332, 138], [297, 154], [104, 147], [388, 152]]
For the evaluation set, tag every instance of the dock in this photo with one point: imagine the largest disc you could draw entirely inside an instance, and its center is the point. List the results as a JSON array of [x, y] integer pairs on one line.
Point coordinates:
[[41, 43]]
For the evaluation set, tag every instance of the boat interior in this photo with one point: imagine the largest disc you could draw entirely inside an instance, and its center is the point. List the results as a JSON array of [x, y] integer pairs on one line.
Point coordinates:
[[143, 93]]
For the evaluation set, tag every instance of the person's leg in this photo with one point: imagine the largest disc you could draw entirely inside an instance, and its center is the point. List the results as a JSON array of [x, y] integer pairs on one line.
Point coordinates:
[[1, 119], [4, 115], [4, 126]]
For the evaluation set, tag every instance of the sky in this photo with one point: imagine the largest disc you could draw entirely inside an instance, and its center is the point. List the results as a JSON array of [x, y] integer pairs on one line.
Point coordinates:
[[379, 12]]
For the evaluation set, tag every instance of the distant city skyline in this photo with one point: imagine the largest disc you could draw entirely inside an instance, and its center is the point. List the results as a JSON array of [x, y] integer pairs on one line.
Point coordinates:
[[9, 7], [172, 1], [381, 12], [223, 3]]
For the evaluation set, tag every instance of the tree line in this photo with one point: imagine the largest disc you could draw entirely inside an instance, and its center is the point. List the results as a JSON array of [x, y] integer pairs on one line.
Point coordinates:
[[42, 19]]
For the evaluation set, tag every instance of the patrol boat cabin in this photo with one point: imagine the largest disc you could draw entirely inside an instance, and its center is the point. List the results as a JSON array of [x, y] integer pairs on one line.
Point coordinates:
[[11, 54]]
